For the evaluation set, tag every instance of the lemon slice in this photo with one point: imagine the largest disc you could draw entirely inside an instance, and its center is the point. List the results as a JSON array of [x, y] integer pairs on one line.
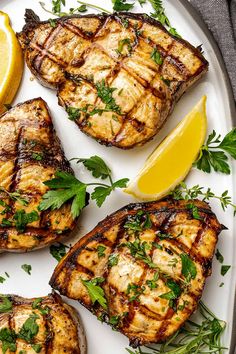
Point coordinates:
[[171, 161], [11, 62]]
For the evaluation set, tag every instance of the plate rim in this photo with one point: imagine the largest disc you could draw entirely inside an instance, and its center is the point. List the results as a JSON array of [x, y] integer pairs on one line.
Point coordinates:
[[232, 107], [196, 17]]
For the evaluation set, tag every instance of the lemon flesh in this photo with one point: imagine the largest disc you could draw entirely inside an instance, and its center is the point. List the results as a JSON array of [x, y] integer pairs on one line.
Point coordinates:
[[11, 62], [171, 161]]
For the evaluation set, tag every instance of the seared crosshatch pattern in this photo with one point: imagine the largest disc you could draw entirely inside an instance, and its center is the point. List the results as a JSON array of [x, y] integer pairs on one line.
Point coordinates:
[[80, 52], [172, 233], [30, 153], [56, 321]]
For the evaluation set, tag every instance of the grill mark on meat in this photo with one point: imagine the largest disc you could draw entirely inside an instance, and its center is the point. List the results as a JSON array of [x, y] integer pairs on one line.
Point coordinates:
[[68, 321], [119, 139], [28, 118], [166, 215]]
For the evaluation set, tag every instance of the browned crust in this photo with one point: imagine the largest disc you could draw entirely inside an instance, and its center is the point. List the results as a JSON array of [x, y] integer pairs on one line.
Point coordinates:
[[43, 236], [33, 21], [168, 207], [52, 300]]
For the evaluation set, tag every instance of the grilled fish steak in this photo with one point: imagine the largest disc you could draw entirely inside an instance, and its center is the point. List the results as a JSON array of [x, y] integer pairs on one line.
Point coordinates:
[[59, 329], [120, 75], [30, 153], [150, 260]]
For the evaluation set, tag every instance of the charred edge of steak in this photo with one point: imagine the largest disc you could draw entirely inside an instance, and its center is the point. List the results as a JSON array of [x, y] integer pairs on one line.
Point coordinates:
[[32, 21], [121, 214]]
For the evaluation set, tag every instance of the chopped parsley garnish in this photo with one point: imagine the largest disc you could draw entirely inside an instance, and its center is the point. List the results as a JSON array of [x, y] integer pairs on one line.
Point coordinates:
[[58, 251], [195, 211], [105, 93], [96, 293], [225, 269], [113, 260], [141, 221], [38, 156], [15, 196], [219, 256], [22, 219], [27, 268], [37, 347], [213, 155], [152, 284], [166, 81], [37, 305], [5, 304], [189, 269], [134, 291], [2, 279], [174, 293], [8, 339], [138, 250], [101, 251], [156, 56], [29, 329], [122, 43]]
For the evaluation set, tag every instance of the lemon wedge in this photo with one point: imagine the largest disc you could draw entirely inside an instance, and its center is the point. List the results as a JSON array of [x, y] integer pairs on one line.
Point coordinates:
[[11, 62], [171, 161]]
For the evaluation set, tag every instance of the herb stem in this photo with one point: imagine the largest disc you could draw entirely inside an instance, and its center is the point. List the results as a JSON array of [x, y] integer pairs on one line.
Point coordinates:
[[94, 7], [98, 184]]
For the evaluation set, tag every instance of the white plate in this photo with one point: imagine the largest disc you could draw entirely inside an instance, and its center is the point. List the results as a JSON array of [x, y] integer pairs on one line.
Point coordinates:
[[101, 339]]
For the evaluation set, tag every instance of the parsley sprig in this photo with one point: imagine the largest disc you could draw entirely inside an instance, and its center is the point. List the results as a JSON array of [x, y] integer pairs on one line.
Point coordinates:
[[183, 192], [193, 337], [65, 187], [58, 4], [160, 14], [213, 154]]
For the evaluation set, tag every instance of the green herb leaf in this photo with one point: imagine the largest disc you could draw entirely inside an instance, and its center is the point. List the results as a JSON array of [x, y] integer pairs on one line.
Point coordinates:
[[185, 193], [122, 43], [96, 293], [152, 284], [22, 219], [156, 56], [58, 251], [105, 93], [37, 347], [173, 294], [101, 251], [5, 304], [113, 260], [29, 329], [228, 144], [209, 158], [189, 269], [27, 268], [2, 279], [67, 187], [121, 5], [194, 210], [225, 269], [97, 166], [100, 194], [38, 156], [8, 339], [219, 256], [82, 8]]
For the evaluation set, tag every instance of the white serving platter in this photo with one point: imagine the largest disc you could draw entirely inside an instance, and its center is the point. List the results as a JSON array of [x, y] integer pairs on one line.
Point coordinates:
[[220, 109]]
